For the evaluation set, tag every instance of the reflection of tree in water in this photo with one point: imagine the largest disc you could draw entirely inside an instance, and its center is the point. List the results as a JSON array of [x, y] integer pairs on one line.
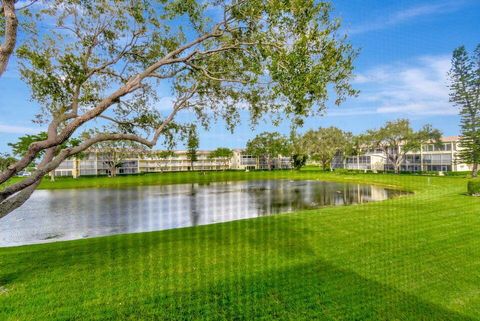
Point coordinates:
[[341, 194], [280, 196], [284, 196], [194, 212]]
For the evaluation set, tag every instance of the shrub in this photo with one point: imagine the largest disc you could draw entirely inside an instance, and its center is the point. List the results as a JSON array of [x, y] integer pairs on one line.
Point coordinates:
[[474, 187]]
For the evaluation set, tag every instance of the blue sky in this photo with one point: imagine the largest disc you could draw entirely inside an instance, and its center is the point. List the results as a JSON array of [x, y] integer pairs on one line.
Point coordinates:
[[401, 72]]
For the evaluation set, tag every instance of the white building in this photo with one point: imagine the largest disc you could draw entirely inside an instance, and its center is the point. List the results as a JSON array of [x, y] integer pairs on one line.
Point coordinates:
[[441, 158], [93, 163]]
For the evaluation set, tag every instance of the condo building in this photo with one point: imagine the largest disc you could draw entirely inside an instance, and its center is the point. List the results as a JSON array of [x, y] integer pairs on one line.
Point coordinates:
[[97, 163], [431, 157]]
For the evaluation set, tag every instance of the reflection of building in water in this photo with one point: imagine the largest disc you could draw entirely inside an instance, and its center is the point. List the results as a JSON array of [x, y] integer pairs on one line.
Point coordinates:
[[378, 193]]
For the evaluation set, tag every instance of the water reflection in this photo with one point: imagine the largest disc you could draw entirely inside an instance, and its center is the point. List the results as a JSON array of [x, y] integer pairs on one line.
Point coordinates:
[[74, 214]]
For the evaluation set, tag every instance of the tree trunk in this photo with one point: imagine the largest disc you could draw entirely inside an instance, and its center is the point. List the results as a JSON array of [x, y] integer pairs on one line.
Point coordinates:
[[324, 165], [397, 169], [17, 200], [475, 170]]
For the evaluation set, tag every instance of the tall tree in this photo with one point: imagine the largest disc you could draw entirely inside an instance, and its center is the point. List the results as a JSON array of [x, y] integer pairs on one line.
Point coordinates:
[[192, 146], [113, 154], [102, 64], [298, 150], [222, 153], [268, 146], [162, 156], [397, 138], [465, 93], [325, 143]]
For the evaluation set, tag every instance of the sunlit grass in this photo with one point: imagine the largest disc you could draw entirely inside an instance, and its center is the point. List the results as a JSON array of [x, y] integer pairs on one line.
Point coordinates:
[[416, 257]]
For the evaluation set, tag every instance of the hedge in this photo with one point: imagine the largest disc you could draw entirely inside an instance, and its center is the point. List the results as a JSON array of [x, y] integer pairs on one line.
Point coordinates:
[[474, 187]]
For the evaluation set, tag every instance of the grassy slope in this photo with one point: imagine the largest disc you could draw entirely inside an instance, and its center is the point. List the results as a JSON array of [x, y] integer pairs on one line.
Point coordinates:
[[411, 258]]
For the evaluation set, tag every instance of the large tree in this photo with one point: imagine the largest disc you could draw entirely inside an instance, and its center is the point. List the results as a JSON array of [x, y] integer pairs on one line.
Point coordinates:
[[397, 138], [298, 149], [163, 157], [192, 146], [222, 153], [268, 146], [113, 154], [465, 93], [106, 64], [324, 144]]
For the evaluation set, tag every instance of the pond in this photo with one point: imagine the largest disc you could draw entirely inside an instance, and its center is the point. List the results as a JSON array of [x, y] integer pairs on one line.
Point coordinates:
[[53, 215]]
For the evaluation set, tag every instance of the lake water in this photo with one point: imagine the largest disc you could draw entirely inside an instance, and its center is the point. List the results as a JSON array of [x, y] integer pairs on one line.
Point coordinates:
[[53, 215]]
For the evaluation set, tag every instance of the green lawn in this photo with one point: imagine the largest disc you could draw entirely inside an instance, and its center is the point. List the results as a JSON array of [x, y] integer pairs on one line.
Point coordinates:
[[121, 181], [412, 258]]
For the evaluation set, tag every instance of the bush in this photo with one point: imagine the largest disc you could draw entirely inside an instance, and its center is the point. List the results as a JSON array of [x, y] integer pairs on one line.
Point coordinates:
[[474, 187]]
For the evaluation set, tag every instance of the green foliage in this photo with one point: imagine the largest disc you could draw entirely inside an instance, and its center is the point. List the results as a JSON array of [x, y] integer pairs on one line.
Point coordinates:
[[2, 25], [465, 93], [5, 161], [164, 154], [104, 65], [299, 160], [473, 187], [325, 143], [287, 58], [114, 153], [221, 152], [21, 146], [268, 145], [192, 145]]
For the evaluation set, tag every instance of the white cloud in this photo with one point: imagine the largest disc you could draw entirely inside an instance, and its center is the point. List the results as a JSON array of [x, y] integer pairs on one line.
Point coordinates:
[[407, 14], [8, 129], [415, 88]]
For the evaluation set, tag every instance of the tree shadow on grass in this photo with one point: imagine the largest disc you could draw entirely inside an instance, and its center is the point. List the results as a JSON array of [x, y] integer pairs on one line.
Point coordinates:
[[314, 291], [291, 290]]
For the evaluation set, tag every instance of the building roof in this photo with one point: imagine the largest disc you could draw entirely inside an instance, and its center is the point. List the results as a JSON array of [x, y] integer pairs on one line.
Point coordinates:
[[449, 139]]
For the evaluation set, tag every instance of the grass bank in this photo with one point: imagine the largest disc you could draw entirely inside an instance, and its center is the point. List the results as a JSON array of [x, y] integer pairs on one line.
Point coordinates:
[[411, 258], [125, 181]]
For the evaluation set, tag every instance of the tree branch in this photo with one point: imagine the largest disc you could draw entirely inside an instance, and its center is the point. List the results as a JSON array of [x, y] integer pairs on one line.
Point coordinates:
[[11, 27], [51, 163]]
